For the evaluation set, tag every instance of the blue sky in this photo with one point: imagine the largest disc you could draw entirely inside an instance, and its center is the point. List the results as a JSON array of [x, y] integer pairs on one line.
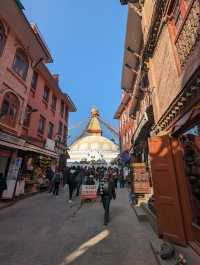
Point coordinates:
[[86, 39]]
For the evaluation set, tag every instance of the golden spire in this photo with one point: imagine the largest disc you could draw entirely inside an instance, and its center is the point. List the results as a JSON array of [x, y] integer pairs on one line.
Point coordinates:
[[94, 125]]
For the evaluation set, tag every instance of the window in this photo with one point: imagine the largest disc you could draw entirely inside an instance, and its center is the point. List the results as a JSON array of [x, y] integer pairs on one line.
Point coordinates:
[[34, 80], [41, 125], [2, 38], [62, 108], [60, 128], [27, 117], [65, 135], [20, 64], [50, 130], [53, 102], [66, 114], [46, 94], [9, 109]]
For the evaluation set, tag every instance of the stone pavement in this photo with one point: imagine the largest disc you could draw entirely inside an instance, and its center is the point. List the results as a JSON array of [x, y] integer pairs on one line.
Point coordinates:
[[45, 230]]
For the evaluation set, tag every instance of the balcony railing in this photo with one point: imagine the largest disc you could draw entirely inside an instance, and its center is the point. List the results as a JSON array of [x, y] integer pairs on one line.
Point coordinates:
[[189, 33]]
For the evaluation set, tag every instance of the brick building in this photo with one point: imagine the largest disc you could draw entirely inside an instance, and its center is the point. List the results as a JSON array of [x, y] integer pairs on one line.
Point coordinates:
[[165, 110], [33, 109]]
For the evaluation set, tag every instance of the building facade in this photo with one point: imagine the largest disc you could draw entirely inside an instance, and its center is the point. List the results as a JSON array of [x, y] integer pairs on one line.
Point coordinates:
[[33, 110], [165, 110]]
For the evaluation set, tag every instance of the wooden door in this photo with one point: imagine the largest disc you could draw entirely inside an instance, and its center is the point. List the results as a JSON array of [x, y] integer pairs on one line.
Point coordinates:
[[169, 213]]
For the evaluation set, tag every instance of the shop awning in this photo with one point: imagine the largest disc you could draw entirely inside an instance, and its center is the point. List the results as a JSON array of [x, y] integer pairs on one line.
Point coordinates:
[[133, 45], [144, 127], [122, 105], [11, 145], [36, 149], [190, 119]]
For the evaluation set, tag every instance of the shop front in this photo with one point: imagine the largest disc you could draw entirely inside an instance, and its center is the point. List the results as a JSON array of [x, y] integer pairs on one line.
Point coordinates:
[[141, 177], [23, 166], [175, 165], [35, 161]]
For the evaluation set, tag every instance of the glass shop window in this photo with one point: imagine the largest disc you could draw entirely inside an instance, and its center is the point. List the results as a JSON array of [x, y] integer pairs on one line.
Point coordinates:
[[191, 144]]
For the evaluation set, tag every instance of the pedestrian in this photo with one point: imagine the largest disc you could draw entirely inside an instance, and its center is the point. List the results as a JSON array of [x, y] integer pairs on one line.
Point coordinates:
[[71, 181], [56, 181], [107, 191], [49, 176], [3, 184], [79, 180]]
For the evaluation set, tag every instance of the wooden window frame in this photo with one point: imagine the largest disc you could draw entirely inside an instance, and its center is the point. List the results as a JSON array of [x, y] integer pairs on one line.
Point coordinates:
[[27, 118], [13, 107], [60, 128], [43, 120], [46, 98], [62, 108], [50, 132], [34, 80], [2, 38], [20, 64], [53, 102]]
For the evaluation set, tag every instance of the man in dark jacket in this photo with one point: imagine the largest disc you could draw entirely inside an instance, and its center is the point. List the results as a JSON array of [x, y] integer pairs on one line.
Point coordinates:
[[56, 181], [107, 192], [79, 180], [70, 179]]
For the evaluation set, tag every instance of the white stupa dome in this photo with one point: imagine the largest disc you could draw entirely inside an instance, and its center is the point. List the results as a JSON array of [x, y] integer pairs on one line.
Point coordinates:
[[92, 145]]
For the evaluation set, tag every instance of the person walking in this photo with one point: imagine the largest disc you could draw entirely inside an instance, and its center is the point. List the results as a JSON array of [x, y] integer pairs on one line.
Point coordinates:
[[56, 181], [49, 176], [71, 182], [107, 192], [79, 180]]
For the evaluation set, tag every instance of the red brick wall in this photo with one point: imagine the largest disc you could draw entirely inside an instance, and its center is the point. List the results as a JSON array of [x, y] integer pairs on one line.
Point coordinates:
[[165, 75]]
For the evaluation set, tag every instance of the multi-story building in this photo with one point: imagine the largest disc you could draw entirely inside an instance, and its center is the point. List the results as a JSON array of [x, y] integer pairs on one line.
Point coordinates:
[[125, 123], [167, 92], [33, 110]]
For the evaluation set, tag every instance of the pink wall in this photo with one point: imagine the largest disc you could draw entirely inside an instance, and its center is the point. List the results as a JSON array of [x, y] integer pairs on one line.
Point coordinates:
[[36, 102], [11, 81]]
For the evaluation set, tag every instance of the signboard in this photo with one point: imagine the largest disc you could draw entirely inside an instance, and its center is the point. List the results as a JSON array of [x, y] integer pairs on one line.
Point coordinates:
[[12, 176], [89, 192], [11, 139], [141, 179], [50, 144]]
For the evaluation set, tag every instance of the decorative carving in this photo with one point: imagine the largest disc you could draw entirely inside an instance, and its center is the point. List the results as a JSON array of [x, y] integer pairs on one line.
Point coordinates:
[[189, 34]]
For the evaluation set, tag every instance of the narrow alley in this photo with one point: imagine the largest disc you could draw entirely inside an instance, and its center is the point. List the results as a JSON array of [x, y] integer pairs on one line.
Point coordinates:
[[46, 230]]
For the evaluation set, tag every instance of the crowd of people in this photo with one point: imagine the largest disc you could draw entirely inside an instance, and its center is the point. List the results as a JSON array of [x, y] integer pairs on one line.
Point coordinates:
[[107, 180]]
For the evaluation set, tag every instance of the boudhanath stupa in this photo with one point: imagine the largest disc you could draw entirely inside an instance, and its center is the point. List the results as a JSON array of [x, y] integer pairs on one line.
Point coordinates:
[[92, 145]]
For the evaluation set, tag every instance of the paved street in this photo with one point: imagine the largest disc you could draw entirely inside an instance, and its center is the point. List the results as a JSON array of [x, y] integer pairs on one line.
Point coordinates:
[[45, 230]]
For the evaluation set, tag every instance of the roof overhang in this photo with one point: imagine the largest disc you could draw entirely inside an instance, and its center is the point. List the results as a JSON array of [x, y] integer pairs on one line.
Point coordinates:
[[51, 82], [28, 35], [133, 46], [122, 106], [125, 2]]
